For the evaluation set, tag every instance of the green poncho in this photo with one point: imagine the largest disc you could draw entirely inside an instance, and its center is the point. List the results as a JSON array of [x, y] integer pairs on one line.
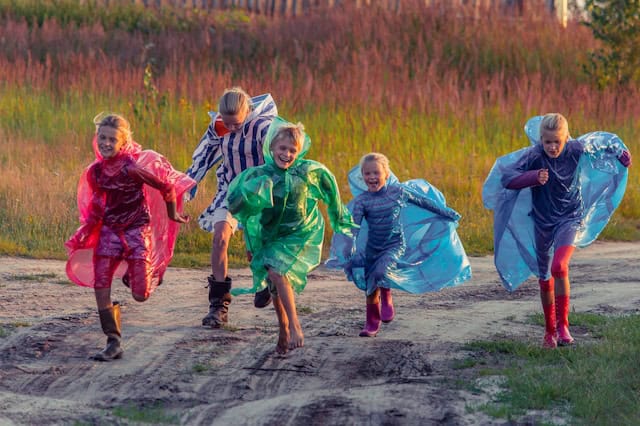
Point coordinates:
[[279, 212]]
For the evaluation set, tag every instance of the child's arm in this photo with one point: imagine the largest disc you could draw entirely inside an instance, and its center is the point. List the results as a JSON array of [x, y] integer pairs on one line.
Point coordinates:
[[625, 158], [529, 178], [432, 206], [167, 190], [339, 217]]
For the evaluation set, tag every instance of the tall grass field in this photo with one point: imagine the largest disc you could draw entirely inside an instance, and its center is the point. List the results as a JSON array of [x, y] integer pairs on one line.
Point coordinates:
[[440, 93]]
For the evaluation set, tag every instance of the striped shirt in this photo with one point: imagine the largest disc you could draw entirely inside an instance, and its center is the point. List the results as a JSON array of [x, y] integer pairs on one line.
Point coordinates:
[[235, 152]]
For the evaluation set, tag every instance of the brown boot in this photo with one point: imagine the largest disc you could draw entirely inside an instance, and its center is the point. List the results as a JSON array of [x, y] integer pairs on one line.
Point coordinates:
[[110, 321], [219, 300]]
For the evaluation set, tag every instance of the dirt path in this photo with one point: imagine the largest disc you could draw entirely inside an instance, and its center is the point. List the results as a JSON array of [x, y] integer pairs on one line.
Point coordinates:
[[233, 377]]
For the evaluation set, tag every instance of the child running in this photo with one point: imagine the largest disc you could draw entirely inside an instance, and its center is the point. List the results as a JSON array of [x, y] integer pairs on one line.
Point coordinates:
[[548, 199], [234, 138], [389, 213], [121, 220], [277, 204]]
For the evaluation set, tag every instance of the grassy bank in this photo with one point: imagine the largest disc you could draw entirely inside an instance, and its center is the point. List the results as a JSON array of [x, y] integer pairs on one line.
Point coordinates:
[[441, 95], [577, 383]]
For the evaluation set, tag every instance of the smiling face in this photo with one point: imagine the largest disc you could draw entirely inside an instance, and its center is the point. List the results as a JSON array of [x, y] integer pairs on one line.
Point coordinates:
[[110, 141], [553, 141], [285, 150], [375, 176]]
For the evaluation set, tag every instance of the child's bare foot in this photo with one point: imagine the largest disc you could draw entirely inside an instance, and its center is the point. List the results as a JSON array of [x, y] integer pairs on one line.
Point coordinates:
[[297, 337], [283, 341]]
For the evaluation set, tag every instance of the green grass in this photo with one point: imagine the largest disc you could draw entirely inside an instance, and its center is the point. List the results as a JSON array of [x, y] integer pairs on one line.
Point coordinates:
[[154, 414], [593, 383], [36, 224]]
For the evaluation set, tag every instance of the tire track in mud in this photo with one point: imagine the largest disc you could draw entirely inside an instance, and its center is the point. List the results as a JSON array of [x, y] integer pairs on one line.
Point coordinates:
[[327, 382]]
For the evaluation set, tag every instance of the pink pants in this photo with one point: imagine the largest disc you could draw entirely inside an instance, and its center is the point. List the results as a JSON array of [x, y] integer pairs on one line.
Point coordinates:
[[131, 245]]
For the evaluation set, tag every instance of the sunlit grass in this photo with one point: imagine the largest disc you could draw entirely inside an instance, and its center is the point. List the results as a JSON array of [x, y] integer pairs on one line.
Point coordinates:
[[440, 95], [593, 383]]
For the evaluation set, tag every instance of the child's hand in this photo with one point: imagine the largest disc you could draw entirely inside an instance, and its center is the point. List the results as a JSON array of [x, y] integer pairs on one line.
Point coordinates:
[[179, 218], [625, 158], [249, 256], [173, 214], [543, 176]]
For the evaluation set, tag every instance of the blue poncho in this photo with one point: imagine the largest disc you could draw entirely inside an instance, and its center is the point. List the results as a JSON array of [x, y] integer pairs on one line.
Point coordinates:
[[593, 192], [413, 245]]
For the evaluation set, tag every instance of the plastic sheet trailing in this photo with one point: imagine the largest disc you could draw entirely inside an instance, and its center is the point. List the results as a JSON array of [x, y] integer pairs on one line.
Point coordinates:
[[602, 183], [278, 209], [164, 231], [432, 256]]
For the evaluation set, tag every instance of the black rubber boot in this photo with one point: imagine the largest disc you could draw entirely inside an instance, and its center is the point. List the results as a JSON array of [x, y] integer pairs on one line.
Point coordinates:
[[219, 300], [110, 321], [262, 298]]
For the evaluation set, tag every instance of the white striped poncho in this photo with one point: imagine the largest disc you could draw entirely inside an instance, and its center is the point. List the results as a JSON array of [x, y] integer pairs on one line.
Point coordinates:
[[238, 151]]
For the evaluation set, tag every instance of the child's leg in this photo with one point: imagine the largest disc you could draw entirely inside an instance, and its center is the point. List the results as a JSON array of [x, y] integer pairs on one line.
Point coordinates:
[[287, 299], [109, 313], [283, 323], [560, 272], [137, 242], [372, 324], [140, 274], [549, 309], [544, 241]]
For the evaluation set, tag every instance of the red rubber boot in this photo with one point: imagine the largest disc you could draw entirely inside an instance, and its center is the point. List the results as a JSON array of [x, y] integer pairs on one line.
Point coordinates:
[[562, 315], [546, 295]]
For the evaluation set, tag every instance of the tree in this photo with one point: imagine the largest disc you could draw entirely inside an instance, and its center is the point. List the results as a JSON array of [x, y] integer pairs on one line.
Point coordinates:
[[616, 24]]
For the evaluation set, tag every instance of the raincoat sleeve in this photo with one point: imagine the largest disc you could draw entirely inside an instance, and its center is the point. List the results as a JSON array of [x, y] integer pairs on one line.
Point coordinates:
[[206, 155], [91, 207], [327, 190], [604, 181], [419, 200]]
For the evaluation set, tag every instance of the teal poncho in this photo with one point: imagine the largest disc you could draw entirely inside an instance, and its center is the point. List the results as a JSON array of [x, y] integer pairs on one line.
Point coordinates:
[[278, 210]]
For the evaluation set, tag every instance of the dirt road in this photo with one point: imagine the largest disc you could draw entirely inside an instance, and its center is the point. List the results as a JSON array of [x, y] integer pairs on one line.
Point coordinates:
[[199, 376]]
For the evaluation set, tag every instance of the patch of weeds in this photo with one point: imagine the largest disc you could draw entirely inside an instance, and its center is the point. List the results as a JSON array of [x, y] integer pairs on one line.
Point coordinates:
[[201, 368], [231, 328], [304, 310], [7, 329], [153, 414], [510, 318], [33, 277], [462, 364]]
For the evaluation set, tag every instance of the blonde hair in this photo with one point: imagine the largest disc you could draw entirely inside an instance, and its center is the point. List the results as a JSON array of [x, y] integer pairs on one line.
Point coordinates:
[[376, 157], [234, 101], [554, 122], [116, 121], [293, 132]]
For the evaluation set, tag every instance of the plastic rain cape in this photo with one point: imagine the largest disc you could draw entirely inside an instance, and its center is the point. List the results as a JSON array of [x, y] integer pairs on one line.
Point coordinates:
[[278, 209], [433, 258], [79, 266], [602, 182]]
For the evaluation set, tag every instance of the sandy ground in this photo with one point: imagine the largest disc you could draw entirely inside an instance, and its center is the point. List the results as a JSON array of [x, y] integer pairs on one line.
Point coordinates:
[[405, 376]]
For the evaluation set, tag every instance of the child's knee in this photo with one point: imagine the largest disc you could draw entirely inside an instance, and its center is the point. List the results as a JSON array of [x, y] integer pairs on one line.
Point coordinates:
[[560, 269], [140, 297]]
